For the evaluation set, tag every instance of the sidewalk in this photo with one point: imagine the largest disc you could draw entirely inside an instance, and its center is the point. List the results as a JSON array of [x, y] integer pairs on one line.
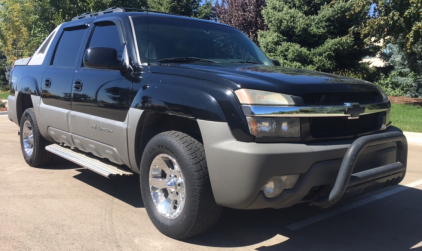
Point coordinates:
[[414, 137]]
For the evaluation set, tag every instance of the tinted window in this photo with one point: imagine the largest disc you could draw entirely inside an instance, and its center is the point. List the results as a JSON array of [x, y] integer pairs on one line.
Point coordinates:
[[161, 38], [106, 35], [68, 48]]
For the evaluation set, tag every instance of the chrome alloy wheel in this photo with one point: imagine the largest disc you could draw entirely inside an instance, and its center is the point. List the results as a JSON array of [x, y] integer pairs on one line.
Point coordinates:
[[167, 186], [28, 138]]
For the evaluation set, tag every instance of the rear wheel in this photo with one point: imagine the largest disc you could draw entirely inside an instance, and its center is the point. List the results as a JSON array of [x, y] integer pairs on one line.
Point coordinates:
[[32, 142], [175, 186]]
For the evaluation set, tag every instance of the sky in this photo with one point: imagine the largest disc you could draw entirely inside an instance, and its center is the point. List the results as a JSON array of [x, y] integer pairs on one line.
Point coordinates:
[[371, 11]]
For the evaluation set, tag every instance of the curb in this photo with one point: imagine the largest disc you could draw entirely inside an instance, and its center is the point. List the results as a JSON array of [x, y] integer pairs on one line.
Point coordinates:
[[413, 137]]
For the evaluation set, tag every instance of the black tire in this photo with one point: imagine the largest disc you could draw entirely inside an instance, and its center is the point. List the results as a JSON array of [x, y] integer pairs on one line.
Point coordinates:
[[39, 157], [200, 211]]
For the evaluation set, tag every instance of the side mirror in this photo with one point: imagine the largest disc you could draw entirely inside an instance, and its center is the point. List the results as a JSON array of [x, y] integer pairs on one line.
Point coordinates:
[[103, 58], [275, 62]]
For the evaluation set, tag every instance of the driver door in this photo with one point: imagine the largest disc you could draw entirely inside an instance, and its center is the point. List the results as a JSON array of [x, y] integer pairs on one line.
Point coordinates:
[[101, 101]]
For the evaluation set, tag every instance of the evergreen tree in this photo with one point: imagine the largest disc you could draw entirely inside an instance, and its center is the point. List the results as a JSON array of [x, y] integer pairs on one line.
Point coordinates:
[[245, 15], [314, 34], [189, 8], [404, 76]]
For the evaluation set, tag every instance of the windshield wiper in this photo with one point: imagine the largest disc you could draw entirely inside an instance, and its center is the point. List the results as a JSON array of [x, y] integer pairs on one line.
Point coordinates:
[[245, 62], [185, 59]]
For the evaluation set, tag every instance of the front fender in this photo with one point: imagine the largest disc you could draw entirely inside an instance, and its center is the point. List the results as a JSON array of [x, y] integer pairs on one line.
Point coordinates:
[[180, 101], [192, 98]]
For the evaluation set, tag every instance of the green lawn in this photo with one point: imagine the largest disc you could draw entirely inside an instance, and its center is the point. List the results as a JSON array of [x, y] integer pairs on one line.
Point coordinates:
[[407, 117], [4, 95]]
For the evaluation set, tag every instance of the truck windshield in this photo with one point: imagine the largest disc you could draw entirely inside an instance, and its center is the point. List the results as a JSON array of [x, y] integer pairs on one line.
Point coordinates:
[[175, 40]]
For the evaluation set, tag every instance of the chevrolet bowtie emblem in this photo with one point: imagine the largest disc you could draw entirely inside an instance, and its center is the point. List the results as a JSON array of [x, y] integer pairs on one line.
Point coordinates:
[[354, 110]]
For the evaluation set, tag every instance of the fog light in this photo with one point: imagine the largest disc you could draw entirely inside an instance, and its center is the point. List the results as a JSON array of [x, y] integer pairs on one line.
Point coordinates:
[[277, 184]]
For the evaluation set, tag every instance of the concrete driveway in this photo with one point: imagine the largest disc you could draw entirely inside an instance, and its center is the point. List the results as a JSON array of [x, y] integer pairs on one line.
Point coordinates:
[[66, 207]]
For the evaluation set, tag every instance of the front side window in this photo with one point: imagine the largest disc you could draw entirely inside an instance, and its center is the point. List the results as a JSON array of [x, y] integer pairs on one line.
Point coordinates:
[[68, 48], [166, 38], [106, 35]]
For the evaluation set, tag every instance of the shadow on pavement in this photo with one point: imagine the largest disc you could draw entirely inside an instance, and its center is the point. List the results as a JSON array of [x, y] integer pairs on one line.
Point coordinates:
[[124, 188], [60, 164], [393, 223]]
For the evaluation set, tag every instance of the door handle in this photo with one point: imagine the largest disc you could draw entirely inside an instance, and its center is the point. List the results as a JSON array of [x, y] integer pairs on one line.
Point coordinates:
[[47, 83], [77, 85]]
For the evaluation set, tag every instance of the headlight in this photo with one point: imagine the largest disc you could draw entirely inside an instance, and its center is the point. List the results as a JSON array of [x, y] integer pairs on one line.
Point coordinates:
[[255, 97], [269, 126], [274, 127]]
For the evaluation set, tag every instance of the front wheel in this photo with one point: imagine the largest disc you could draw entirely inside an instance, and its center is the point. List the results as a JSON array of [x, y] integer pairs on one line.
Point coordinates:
[[175, 186]]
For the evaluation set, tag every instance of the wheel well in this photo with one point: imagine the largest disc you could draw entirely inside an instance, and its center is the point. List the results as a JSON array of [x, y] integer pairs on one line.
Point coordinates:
[[23, 102], [153, 123]]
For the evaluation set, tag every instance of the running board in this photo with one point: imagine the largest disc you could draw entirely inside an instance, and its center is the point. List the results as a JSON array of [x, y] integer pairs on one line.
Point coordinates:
[[90, 162]]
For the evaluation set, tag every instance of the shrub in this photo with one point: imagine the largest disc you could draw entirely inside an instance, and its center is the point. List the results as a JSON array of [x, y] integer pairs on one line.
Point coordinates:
[[393, 84], [2, 104], [414, 81], [4, 88], [363, 71]]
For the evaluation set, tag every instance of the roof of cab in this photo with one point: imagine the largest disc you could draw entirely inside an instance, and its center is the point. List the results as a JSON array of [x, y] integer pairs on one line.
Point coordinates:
[[122, 11]]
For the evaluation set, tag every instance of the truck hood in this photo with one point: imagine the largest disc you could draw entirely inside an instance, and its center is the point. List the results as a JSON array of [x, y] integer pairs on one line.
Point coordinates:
[[268, 78]]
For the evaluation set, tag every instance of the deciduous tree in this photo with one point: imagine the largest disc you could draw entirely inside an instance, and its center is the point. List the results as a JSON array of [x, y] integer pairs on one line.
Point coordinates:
[[18, 30], [190, 8], [24, 24], [396, 22], [4, 73], [244, 15], [55, 12]]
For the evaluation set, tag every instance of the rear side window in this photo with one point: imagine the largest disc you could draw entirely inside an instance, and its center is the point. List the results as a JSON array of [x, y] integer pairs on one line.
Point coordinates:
[[46, 43], [106, 35], [68, 48]]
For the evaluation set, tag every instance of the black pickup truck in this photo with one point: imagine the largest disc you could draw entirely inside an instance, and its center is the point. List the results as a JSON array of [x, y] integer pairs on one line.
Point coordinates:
[[202, 115]]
